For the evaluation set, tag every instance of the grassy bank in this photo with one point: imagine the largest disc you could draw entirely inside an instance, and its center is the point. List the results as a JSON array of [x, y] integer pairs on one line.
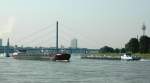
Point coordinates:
[[143, 56]]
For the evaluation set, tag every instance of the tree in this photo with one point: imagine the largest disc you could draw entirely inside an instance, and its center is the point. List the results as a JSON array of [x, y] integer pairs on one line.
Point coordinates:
[[123, 50], [106, 49], [117, 50], [144, 44], [132, 45]]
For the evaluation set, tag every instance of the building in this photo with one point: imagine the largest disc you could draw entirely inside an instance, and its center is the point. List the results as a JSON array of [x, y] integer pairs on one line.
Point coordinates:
[[74, 43], [1, 42]]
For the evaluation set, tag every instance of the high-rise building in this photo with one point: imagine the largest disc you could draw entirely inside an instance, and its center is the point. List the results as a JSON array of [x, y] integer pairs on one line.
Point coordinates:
[[74, 43], [1, 42]]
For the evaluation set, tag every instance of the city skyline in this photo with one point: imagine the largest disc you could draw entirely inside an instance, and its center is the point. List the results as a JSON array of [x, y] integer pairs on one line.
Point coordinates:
[[94, 23]]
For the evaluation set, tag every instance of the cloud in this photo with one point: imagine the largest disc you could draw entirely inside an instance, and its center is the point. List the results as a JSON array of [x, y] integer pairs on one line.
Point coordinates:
[[8, 27]]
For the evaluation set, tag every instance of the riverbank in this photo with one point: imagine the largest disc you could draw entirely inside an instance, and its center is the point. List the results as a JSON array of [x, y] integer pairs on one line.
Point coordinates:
[[143, 56], [115, 56]]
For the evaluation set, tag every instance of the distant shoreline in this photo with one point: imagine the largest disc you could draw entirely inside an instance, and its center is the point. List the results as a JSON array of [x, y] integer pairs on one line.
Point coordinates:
[[143, 56]]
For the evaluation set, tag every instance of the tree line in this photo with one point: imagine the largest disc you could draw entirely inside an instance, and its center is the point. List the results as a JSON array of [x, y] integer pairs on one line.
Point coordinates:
[[107, 49], [134, 45], [138, 46]]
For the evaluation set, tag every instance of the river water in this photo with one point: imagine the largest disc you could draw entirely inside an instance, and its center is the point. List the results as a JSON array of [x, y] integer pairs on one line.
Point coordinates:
[[76, 71]]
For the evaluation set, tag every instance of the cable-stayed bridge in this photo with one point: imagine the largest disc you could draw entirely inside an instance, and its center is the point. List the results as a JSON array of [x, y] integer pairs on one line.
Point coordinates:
[[44, 39]]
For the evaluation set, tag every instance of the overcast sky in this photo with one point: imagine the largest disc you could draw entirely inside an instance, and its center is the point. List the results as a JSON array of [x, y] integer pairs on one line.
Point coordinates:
[[95, 23]]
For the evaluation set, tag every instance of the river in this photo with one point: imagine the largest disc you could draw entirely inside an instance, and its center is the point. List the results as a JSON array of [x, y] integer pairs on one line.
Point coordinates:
[[76, 71]]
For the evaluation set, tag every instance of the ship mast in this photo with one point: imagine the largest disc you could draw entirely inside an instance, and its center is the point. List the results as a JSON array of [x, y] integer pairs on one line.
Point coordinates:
[[57, 37]]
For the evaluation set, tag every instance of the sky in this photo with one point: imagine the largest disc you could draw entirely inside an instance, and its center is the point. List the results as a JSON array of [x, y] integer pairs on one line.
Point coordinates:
[[95, 23]]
